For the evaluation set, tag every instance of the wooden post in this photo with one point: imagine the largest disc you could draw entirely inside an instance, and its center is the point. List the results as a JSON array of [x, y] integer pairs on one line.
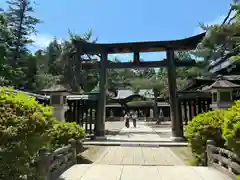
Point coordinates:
[[74, 151], [101, 113], [136, 57], [177, 127], [44, 163], [208, 155]]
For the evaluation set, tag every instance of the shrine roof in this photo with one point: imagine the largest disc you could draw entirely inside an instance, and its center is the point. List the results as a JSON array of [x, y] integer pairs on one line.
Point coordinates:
[[188, 43], [56, 88], [126, 93], [222, 84], [198, 84]]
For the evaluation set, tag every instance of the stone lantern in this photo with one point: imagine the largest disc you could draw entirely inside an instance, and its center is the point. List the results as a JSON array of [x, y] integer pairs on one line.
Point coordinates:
[[58, 99], [221, 91]]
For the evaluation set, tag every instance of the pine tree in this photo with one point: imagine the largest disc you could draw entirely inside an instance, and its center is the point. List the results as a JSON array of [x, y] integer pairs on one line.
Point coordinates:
[[5, 44], [22, 25]]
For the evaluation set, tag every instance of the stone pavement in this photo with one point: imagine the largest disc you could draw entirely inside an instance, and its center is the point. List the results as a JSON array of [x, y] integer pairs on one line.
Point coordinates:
[[118, 155], [133, 159], [128, 172], [143, 135]]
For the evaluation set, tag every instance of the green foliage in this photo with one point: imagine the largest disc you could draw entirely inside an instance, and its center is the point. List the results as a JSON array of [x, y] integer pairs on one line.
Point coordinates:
[[231, 128], [25, 127], [62, 133], [203, 127], [23, 131], [193, 162], [21, 24], [222, 38]]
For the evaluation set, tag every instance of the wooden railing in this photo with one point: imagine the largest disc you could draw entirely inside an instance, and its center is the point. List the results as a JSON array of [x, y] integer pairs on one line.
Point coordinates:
[[223, 160], [52, 164]]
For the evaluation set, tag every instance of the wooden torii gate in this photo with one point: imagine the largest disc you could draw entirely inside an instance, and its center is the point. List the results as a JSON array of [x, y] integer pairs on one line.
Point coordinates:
[[136, 48]]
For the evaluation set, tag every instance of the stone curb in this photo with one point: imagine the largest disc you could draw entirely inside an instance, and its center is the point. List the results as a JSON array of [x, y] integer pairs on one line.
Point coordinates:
[[170, 144]]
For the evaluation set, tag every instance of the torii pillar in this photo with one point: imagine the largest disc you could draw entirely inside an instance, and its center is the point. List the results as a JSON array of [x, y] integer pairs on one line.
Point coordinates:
[[177, 127], [101, 111]]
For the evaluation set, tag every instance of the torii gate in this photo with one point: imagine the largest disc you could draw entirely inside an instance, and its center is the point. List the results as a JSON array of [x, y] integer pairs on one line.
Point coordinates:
[[136, 47]]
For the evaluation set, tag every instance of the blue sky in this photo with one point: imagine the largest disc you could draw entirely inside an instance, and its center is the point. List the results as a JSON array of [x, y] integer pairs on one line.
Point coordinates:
[[126, 20]]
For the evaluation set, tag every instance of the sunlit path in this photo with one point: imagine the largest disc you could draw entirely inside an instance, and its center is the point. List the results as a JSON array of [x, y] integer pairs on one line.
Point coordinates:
[[128, 172]]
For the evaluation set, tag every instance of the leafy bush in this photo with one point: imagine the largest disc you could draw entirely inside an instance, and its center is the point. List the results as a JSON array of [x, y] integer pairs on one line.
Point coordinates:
[[23, 131], [25, 127], [62, 133], [203, 127], [231, 128]]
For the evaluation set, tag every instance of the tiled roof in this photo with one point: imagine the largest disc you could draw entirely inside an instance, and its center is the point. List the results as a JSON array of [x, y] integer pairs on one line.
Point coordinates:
[[56, 88], [219, 84], [124, 93]]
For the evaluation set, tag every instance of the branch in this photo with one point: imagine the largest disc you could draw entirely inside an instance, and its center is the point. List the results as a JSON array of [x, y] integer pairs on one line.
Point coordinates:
[[228, 15], [232, 18]]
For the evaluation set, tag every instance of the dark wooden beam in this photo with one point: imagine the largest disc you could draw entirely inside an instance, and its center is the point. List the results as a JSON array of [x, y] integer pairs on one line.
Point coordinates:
[[131, 65], [148, 46]]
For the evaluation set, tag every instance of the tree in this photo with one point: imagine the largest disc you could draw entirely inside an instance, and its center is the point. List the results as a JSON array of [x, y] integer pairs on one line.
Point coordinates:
[[21, 24], [52, 52], [5, 44], [222, 38], [73, 75]]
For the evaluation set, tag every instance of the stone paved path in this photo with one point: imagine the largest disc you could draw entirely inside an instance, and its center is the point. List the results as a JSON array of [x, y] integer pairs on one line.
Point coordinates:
[[143, 133], [139, 156], [133, 161], [126, 172]]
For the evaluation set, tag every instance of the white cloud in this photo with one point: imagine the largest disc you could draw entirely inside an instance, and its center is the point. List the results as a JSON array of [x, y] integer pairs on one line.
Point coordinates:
[[217, 20], [41, 41]]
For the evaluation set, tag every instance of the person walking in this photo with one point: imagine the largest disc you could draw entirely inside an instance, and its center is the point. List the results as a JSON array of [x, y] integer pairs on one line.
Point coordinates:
[[126, 119], [134, 118]]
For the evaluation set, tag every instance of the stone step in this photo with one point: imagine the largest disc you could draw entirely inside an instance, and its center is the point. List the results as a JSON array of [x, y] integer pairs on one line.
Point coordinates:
[[135, 144]]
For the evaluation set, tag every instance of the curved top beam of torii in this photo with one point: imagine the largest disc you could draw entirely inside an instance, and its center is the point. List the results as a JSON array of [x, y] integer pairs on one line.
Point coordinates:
[[185, 44]]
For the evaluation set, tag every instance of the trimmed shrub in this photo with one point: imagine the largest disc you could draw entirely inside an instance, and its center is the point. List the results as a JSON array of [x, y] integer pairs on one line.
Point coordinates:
[[231, 128], [25, 127], [62, 133], [23, 131], [203, 127]]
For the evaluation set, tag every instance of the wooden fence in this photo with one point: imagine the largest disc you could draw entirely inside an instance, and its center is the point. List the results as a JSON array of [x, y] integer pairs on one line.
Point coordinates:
[[189, 108], [84, 113], [223, 160], [52, 164]]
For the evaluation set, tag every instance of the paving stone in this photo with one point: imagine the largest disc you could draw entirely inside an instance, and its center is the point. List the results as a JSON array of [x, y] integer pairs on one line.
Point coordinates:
[[129, 172], [106, 172], [137, 156], [140, 173], [209, 173]]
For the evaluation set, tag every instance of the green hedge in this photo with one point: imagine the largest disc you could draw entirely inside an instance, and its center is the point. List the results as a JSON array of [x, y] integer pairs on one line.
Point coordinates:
[[222, 126], [62, 133], [231, 128], [201, 128], [25, 127]]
